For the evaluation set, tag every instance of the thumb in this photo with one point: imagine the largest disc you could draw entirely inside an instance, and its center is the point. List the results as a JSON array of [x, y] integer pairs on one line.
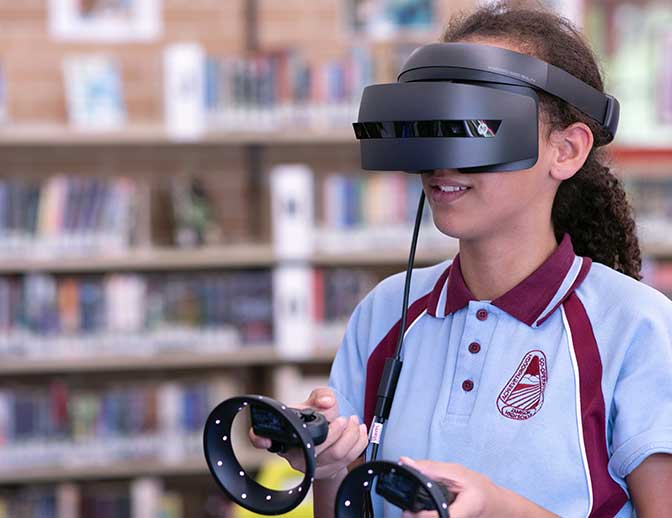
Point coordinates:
[[321, 398]]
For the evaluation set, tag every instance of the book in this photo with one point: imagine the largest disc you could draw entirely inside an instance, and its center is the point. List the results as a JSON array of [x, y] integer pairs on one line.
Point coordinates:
[[93, 87], [292, 211], [637, 68], [185, 79], [65, 425], [385, 18], [278, 89], [66, 215], [48, 316], [293, 310], [373, 212]]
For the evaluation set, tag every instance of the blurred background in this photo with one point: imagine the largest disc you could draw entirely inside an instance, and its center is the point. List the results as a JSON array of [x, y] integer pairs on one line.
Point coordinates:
[[183, 219]]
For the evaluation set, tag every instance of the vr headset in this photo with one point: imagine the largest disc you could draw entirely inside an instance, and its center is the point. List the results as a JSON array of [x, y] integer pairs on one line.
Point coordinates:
[[469, 107]]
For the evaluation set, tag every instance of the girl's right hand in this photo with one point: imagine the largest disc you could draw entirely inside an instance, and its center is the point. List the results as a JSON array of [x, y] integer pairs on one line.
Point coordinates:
[[346, 441]]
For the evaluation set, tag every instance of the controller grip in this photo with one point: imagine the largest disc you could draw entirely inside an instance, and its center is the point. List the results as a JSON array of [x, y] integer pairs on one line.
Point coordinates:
[[447, 493]]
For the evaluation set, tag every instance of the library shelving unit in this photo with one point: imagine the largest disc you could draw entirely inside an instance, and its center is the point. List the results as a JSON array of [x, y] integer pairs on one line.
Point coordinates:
[[38, 144]]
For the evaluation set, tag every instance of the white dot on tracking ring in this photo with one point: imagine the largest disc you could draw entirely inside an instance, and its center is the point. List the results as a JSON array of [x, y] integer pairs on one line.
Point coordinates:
[[370, 472], [347, 503], [217, 421], [243, 496], [429, 484], [241, 473], [366, 483], [219, 462], [268, 497], [224, 438], [444, 505]]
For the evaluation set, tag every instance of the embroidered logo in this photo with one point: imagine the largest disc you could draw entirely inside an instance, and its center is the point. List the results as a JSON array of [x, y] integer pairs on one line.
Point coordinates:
[[523, 395]]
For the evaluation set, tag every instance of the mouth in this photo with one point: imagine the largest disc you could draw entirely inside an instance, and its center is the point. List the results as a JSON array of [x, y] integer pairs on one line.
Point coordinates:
[[444, 191], [451, 188]]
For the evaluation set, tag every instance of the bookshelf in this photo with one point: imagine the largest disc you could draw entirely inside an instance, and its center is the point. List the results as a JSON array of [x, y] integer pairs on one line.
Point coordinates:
[[235, 167], [53, 135], [253, 356], [131, 469]]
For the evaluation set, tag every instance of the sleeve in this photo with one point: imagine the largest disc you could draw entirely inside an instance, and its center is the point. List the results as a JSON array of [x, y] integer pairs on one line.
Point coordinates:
[[348, 371], [643, 396]]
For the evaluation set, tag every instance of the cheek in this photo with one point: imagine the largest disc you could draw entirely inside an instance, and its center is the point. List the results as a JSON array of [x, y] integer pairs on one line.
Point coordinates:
[[496, 199]]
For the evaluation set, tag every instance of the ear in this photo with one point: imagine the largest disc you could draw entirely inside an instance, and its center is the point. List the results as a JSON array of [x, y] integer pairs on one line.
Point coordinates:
[[571, 146]]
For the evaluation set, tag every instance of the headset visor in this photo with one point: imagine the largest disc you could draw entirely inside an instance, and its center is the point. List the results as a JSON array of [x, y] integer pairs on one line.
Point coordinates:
[[433, 125]]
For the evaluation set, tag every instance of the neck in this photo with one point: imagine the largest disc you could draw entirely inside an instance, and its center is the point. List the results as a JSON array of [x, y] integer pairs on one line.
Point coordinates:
[[493, 265]]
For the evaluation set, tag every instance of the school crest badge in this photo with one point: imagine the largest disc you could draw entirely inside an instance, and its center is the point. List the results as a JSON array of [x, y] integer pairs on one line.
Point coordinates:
[[523, 395]]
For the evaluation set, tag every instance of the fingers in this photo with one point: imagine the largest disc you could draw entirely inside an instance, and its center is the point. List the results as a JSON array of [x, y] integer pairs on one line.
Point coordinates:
[[323, 400], [262, 443], [348, 446], [336, 429], [421, 514]]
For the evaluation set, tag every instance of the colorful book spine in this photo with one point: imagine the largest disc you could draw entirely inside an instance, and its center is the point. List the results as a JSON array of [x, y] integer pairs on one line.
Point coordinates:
[[66, 215], [129, 313], [60, 420], [275, 89]]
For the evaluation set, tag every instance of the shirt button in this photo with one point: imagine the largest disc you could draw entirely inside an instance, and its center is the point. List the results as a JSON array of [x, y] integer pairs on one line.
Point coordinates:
[[474, 347], [467, 385], [481, 314]]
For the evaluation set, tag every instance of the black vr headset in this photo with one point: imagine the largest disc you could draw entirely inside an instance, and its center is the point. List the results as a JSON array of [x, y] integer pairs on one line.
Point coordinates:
[[467, 106]]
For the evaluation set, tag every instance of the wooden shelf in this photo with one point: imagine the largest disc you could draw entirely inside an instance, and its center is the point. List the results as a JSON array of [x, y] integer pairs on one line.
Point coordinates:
[[258, 355], [384, 257], [250, 255], [235, 256], [642, 154], [130, 469], [28, 135], [157, 135]]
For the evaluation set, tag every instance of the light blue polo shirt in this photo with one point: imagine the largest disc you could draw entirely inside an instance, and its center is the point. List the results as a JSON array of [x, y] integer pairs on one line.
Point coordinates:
[[556, 390]]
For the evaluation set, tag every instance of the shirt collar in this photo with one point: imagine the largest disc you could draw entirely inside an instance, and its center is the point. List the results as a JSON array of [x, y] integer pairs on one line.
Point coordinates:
[[531, 301]]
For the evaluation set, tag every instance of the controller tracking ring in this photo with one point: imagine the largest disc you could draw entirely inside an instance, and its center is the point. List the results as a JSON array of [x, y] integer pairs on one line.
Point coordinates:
[[230, 475]]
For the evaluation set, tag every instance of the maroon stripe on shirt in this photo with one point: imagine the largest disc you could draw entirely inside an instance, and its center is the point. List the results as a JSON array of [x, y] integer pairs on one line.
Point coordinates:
[[386, 348], [435, 295], [608, 496], [583, 271]]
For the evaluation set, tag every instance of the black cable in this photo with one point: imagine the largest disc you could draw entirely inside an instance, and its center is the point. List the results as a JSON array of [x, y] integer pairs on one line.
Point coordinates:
[[409, 271], [392, 369]]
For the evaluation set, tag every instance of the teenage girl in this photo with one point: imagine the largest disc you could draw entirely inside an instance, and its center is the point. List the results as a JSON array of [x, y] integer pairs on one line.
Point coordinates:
[[537, 377]]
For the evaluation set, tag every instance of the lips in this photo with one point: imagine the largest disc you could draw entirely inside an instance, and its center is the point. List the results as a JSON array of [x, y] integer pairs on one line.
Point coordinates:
[[445, 190], [452, 188], [447, 182]]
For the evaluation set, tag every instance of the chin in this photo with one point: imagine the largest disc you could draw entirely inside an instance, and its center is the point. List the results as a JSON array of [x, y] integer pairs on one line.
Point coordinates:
[[450, 229], [457, 229]]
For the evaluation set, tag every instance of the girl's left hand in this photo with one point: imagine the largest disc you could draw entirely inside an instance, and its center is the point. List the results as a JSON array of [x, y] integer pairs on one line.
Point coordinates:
[[477, 495]]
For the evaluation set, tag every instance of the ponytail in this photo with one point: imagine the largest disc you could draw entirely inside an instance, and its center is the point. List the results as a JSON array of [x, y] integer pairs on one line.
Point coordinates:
[[591, 206]]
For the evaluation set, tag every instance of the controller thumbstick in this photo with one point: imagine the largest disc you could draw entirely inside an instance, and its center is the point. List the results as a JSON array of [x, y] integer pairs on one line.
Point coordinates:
[[308, 415]]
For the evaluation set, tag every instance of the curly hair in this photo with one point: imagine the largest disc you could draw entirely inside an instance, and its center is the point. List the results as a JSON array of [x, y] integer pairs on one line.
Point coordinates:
[[591, 206]]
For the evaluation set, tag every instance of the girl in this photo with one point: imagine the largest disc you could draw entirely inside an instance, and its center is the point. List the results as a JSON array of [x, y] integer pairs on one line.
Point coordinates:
[[537, 376]]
